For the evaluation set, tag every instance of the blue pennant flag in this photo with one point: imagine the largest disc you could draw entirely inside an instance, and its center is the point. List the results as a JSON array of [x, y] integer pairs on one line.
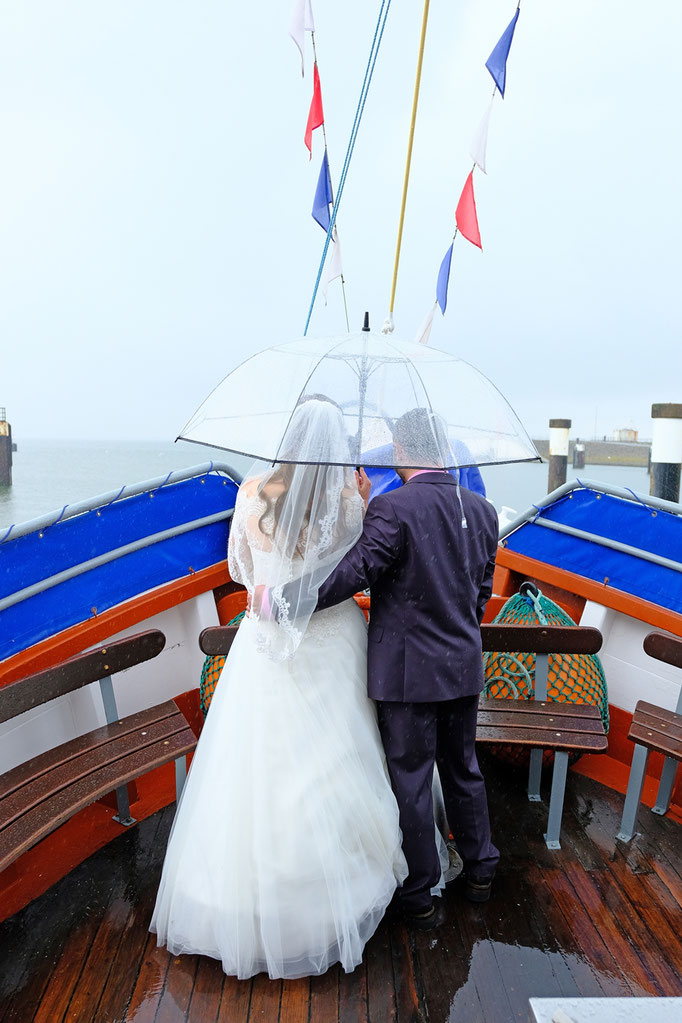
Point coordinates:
[[497, 61], [443, 279], [323, 196]]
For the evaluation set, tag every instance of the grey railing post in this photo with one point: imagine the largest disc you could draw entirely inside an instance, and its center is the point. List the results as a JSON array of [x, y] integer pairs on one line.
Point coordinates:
[[535, 769], [111, 713]]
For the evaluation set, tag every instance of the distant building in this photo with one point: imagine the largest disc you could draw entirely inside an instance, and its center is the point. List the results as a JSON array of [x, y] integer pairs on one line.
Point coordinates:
[[626, 435]]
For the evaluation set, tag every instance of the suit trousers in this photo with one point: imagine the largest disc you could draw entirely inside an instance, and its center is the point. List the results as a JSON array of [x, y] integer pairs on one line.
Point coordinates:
[[415, 736]]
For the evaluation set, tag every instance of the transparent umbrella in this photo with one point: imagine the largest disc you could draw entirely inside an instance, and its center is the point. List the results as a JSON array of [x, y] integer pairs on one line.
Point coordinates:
[[404, 405]]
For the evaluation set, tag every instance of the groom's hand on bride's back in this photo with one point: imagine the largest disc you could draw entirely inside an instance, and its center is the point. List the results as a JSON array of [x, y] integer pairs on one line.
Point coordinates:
[[364, 484]]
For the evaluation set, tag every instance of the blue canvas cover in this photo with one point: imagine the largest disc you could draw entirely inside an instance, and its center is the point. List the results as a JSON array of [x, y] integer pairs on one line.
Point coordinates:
[[629, 522], [39, 555]]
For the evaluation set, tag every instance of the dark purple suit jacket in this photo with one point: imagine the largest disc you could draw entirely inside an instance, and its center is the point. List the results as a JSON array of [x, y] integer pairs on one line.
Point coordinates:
[[430, 580]]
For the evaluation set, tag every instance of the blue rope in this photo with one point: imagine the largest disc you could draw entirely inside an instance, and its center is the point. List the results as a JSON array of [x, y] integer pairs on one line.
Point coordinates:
[[369, 72]]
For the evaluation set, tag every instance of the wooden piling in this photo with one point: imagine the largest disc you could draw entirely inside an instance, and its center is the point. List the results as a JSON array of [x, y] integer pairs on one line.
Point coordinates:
[[558, 453], [5, 450], [666, 451]]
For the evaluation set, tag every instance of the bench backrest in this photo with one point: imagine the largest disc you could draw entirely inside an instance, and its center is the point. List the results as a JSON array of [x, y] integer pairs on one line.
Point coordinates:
[[217, 640], [664, 648], [541, 639], [667, 649], [93, 666]]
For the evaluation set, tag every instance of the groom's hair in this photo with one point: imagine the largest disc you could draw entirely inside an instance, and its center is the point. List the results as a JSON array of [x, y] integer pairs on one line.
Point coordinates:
[[422, 435]]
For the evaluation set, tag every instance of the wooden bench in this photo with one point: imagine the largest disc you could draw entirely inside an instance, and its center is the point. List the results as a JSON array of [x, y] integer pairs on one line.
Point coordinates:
[[654, 728], [40, 794], [541, 724]]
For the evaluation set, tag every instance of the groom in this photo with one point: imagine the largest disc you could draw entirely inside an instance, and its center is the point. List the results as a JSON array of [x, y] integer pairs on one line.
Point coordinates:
[[427, 552]]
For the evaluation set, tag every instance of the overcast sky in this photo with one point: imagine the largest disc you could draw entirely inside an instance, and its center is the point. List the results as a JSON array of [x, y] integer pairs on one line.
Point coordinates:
[[155, 197]]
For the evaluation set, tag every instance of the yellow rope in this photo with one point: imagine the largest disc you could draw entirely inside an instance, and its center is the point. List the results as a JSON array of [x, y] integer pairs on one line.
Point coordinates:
[[415, 101]]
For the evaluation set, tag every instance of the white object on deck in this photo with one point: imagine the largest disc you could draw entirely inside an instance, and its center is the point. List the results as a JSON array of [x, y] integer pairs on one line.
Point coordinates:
[[607, 1010]]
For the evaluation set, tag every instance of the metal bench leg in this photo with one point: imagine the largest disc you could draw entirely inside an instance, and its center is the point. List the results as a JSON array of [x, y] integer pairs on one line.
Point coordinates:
[[633, 795], [665, 788], [180, 775], [534, 775], [123, 816], [556, 800]]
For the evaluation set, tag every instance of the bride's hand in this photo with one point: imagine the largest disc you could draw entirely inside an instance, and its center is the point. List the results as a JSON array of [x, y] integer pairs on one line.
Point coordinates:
[[254, 602], [364, 484]]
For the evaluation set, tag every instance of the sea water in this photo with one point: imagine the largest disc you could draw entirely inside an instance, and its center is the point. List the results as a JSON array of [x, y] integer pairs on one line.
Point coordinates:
[[48, 474]]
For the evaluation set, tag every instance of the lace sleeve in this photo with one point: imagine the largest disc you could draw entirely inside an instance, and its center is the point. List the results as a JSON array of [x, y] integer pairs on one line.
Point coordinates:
[[239, 557], [353, 512]]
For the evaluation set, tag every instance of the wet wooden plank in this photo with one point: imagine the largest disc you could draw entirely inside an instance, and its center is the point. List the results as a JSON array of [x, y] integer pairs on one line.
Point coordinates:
[[177, 991], [88, 990], [588, 955], [628, 948], [207, 992], [407, 1001], [235, 1001], [444, 965], [149, 984], [295, 1002], [266, 996], [380, 991], [324, 996], [57, 995], [353, 995]]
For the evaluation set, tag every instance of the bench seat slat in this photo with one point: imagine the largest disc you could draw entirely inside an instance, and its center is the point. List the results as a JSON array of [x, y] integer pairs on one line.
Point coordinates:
[[583, 710], [46, 762], [509, 719], [90, 761], [45, 818], [542, 738], [649, 712], [655, 740]]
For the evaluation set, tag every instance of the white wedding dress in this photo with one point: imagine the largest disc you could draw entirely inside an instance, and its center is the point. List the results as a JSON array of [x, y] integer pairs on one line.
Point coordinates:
[[285, 850]]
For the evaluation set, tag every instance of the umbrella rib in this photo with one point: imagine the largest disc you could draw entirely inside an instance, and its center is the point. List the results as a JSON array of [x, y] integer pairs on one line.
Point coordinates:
[[302, 391]]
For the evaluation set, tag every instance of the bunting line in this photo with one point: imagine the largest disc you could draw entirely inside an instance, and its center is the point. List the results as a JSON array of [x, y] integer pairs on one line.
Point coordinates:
[[466, 216], [364, 92]]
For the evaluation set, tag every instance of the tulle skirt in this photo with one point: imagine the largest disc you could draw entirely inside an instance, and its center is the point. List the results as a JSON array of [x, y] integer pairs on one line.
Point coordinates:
[[285, 850]]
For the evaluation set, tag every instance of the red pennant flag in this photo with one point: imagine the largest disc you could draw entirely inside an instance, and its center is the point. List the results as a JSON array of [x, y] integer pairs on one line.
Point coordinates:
[[316, 116], [465, 214]]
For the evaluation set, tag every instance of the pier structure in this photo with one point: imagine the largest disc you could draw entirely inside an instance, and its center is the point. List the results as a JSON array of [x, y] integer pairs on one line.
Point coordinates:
[[5, 450]]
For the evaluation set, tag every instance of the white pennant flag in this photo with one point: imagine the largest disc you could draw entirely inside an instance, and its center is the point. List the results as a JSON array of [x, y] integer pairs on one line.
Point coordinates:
[[424, 331], [301, 22], [480, 140], [334, 268]]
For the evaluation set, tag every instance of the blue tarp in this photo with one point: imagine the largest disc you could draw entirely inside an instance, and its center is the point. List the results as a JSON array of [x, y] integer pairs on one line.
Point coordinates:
[[34, 557], [628, 522]]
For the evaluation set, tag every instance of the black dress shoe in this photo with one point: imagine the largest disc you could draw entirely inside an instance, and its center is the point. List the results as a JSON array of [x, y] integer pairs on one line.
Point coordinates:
[[428, 920], [476, 889]]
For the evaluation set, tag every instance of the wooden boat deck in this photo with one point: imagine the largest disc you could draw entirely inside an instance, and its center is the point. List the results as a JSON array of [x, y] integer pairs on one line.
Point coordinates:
[[594, 919]]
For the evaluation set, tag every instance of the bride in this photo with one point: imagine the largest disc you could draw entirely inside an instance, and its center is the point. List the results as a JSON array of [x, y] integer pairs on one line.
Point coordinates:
[[285, 850]]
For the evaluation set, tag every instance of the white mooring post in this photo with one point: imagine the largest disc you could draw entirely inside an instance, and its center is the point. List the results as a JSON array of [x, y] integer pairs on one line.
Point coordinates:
[[666, 451], [558, 453]]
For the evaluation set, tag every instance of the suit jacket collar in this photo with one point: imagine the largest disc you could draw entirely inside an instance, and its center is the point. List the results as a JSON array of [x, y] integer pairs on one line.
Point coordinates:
[[433, 477]]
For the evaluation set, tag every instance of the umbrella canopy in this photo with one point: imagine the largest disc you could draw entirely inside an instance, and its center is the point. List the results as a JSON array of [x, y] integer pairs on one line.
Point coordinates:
[[404, 404]]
